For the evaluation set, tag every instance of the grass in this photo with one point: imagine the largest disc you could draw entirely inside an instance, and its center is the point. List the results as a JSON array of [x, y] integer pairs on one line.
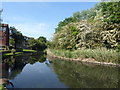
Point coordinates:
[[3, 50], [2, 87], [18, 53], [101, 54], [28, 50], [10, 54]]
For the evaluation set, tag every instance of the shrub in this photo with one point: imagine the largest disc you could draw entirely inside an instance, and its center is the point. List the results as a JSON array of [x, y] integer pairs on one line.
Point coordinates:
[[19, 49], [118, 48]]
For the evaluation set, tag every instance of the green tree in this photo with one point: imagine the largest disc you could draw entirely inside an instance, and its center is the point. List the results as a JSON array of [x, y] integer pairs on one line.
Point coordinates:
[[65, 22], [38, 44], [77, 16], [42, 39], [50, 44], [33, 43], [110, 11], [16, 36], [12, 42], [88, 29]]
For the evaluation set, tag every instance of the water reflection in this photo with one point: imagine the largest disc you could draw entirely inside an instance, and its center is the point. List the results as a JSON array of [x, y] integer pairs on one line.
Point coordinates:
[[30, 71], [33, 70], [12, 66], [78, 75]]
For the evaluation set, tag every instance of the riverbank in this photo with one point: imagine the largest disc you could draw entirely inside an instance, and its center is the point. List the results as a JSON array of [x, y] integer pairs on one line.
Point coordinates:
[[95, 56]]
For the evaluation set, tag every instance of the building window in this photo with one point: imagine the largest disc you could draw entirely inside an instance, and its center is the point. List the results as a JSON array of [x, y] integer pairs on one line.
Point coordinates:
[[3, 28]]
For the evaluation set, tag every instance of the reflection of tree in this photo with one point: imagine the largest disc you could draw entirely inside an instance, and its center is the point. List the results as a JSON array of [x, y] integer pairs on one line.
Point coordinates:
[[76, 75], [15, 66], [17, 63], [40, 56], [5, 70]]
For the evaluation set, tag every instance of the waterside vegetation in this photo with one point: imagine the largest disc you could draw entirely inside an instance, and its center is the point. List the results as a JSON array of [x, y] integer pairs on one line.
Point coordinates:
[[100, 55], [93, 33]]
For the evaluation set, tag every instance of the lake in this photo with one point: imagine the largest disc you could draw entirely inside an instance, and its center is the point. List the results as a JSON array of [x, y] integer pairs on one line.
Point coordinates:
[[37, 70]]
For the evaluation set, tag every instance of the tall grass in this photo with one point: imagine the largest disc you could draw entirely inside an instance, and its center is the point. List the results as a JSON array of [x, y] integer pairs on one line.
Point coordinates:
[[100, 54]]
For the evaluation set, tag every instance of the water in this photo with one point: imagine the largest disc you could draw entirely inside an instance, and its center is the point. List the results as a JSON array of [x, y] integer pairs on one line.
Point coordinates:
[[37, 71]]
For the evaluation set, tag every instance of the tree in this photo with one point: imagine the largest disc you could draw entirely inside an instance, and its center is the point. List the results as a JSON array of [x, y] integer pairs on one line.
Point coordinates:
[[77, 16], [38, 44], [65, 22], [50, 44], [33, 43], [42, 39], [110, 11], [16, 36], [12, 42], [92, 28]]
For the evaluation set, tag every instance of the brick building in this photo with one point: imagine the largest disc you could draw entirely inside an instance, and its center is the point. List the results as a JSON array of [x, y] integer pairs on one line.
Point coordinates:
[[4, 35]]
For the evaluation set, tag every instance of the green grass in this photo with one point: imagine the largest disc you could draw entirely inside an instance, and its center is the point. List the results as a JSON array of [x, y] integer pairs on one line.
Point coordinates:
[[101, 55], [10, 54], [18, 53], [24, 50], [4, 50], [2, 87], [28, 50]]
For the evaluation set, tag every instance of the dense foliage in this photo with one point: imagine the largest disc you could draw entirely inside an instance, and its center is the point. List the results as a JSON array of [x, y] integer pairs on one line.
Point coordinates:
[[16, 38], [38, 44], [93, 28], [111, 11]]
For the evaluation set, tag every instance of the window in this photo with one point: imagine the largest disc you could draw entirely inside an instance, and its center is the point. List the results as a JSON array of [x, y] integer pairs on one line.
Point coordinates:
[[3, 28]]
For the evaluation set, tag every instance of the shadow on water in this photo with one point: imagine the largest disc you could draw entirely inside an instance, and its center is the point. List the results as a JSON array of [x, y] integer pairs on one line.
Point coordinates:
[[78, 75], [13, 65]]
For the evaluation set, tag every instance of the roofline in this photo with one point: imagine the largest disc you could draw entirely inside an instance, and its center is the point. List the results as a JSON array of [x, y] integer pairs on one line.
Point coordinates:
[[4, 25]]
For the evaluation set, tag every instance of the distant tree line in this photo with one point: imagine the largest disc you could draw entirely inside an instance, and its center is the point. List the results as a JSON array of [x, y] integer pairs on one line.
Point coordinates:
[[38, 44], [17, 40]]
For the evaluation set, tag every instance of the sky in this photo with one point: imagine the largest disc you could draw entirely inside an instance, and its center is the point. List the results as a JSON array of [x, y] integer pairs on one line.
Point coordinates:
[[34, 19]]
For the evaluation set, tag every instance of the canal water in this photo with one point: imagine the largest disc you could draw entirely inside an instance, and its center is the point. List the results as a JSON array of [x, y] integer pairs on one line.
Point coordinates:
[[37, 70]]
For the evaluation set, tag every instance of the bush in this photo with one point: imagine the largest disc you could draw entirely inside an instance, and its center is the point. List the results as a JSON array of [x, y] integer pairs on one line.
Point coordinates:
[[11, 47], [19, 49], [118, 48]]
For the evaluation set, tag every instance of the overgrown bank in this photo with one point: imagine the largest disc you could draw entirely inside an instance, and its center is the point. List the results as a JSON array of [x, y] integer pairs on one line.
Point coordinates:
[[96, 56], [94, 28], [92, 33]]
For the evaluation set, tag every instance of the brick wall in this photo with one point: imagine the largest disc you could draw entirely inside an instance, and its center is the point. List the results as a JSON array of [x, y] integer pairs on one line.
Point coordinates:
[[4, 35]]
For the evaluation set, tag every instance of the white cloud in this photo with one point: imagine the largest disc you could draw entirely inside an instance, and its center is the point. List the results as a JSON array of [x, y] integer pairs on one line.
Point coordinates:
[[33, 29]]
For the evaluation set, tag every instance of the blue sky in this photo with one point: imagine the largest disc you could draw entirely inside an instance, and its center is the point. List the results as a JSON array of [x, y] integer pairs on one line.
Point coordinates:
[[36, 19]]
